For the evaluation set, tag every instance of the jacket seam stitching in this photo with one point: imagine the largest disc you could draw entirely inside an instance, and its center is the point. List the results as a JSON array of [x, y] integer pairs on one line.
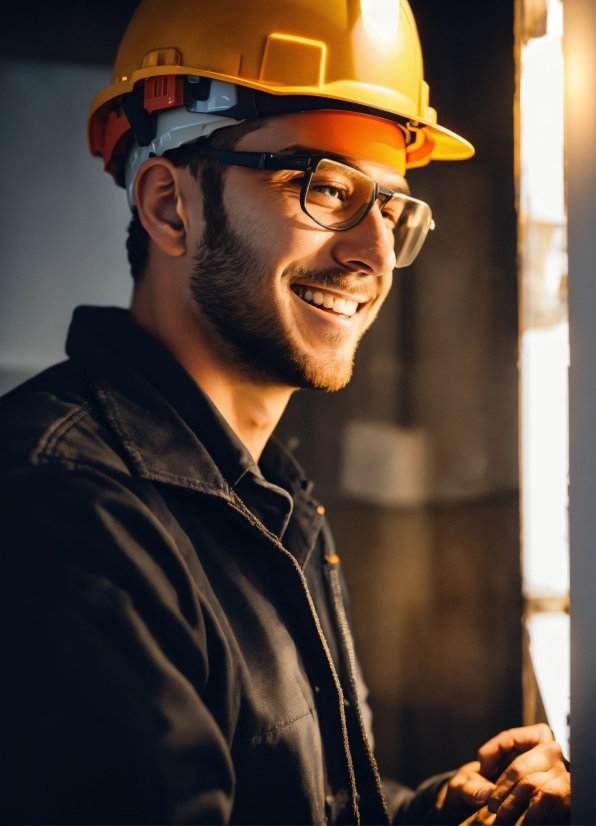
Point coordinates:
[[278, 728], [186, 481], [346, 638], [81, 464], [50, 441], [113, 416]]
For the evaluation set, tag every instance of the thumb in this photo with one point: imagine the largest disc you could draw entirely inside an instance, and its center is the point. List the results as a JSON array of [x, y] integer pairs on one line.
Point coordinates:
[[476, 791], [482, 794]]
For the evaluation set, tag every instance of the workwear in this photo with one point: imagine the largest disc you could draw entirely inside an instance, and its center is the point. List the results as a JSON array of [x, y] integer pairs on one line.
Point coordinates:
[[170, 659], [188, 67]]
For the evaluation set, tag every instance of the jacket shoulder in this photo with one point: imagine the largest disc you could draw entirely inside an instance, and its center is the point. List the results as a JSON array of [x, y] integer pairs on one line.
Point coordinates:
[[54, 417]]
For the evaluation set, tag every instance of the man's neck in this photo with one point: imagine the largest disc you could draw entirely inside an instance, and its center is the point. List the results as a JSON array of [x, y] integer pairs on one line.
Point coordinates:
[[251, 407], [251, 410]]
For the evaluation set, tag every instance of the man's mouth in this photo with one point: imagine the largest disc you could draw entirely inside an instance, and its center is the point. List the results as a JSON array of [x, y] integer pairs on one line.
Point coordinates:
[[327, 301]]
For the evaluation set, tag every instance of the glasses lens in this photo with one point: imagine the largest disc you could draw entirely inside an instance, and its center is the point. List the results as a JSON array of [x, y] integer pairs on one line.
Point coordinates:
[[411, 228], [338, 196]]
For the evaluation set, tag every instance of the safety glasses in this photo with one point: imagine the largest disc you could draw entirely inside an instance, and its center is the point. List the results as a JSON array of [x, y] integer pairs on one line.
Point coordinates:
[[338, 197]]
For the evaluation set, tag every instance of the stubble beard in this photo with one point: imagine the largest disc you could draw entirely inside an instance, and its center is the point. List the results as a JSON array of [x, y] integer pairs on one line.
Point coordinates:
[[232, 290]]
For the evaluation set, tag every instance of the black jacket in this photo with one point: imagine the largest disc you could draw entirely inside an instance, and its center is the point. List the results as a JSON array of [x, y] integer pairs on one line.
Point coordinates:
[[163, 660]]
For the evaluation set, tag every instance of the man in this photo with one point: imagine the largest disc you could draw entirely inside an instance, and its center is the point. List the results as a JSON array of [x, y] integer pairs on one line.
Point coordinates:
[[176, 646]]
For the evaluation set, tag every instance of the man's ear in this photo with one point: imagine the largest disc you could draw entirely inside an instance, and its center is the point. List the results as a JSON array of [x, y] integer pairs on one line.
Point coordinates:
[[160, 206]]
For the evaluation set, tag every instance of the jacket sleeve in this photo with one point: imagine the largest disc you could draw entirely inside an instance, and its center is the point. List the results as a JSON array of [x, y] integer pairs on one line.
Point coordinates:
[[104, 661], [407, 807]]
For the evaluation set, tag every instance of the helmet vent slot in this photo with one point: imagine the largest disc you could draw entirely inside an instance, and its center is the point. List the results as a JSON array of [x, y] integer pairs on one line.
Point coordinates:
[[162, 57]]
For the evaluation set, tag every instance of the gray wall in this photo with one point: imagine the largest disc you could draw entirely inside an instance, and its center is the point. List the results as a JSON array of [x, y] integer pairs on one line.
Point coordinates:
[[62, 219], [580, 104]]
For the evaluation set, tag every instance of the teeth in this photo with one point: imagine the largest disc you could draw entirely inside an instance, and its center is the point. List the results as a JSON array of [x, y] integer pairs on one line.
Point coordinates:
[[341, 306]]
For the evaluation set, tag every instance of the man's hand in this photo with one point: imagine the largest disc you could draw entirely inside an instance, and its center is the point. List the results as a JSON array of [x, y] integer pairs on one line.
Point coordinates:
[[466, 792], [529, 771], [499, 752]]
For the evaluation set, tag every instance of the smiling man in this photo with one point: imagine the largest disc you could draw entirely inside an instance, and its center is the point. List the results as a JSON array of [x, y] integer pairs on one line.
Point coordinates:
[[275, 277], [176, 646]]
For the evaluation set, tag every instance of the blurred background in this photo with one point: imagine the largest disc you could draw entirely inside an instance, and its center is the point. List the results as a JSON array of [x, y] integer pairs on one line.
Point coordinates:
[[417, 460]]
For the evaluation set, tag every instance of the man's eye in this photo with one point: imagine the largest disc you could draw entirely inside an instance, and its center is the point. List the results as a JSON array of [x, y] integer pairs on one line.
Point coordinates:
[[332, 191], [390, 218]]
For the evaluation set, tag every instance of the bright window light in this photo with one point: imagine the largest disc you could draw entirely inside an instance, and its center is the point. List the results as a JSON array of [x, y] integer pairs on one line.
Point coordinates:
[[544, 362], [549, 649], [542, 182], [545, 459]]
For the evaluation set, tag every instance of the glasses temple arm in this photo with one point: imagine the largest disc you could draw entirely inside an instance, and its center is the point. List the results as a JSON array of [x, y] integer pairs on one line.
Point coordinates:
[[253, 160]]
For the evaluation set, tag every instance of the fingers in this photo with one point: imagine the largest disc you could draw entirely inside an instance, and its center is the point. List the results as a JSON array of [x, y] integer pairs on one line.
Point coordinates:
[[476, 791], [495, 755], [518, 799], [552, 804], [538, 779], [467, 788], [535, 786]]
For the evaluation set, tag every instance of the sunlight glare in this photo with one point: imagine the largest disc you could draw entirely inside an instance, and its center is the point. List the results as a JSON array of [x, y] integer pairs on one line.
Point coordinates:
[[381, 20]]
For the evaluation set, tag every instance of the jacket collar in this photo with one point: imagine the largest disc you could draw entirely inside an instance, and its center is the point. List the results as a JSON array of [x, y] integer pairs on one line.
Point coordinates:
[[165, 422]]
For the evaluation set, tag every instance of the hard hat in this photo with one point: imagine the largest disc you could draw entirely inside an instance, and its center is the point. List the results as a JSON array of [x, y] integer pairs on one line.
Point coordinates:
[[188, 67]]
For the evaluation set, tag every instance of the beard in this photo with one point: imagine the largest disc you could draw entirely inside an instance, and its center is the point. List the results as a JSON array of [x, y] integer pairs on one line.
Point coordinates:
[[232, 289]]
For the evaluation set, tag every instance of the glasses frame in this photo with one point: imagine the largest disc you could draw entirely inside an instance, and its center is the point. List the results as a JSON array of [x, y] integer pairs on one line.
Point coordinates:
[[275, 162]]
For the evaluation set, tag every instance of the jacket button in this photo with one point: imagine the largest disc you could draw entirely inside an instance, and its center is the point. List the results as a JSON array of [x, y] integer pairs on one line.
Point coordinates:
[[316, 689], [321, 510]]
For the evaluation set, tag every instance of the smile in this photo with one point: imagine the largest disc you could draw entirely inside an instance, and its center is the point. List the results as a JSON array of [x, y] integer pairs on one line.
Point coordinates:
[[324, 300]]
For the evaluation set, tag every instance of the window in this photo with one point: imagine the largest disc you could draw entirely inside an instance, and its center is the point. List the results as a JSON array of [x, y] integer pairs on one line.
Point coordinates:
[[544, 357]]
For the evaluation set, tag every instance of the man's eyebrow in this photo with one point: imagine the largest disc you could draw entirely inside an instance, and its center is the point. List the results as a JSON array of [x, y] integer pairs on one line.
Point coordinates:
[[302, 149]]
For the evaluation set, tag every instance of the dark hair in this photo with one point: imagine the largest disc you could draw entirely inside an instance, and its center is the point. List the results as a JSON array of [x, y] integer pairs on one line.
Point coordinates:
[[137, 243]]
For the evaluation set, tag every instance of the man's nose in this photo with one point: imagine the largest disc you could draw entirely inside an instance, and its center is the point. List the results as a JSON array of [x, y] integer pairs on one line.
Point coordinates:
[[367, 247]]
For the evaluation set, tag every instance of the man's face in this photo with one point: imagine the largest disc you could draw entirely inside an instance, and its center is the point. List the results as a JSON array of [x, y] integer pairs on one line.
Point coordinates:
[[282, 298]]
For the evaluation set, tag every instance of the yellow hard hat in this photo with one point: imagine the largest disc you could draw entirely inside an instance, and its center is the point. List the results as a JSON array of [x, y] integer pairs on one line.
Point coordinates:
[[223, 61]]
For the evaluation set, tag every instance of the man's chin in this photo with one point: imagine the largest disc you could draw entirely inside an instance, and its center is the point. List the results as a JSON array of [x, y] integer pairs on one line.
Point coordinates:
[[330, 376]]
